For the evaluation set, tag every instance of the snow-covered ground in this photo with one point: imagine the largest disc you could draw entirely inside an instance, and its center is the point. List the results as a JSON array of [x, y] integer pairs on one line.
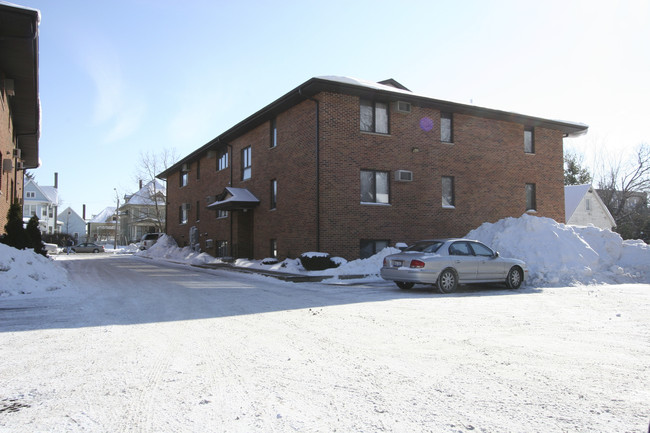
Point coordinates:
[[120, 342]]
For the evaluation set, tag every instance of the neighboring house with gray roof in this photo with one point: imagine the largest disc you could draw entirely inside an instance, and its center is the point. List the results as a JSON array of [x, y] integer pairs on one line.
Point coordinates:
[[583, 207], [143, 212], [43, 202]]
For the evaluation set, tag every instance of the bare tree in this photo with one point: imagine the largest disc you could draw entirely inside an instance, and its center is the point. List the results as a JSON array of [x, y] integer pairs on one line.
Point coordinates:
[[624, 188], [149, 166]]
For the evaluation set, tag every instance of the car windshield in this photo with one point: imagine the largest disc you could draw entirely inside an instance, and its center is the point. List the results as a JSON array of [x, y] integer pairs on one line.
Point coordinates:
[[425, 246]]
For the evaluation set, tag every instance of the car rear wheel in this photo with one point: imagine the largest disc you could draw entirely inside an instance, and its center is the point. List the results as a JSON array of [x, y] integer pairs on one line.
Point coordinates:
[[403, 285], [515, 278], [95, 250], [447, 281]]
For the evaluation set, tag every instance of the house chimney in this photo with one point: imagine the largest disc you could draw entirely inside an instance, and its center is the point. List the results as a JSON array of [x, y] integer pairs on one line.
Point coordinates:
[[83, 212], [56, 180], [140, 184]]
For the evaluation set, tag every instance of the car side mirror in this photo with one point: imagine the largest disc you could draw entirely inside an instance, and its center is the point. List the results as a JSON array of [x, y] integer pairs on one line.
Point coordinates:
[[496, 254]]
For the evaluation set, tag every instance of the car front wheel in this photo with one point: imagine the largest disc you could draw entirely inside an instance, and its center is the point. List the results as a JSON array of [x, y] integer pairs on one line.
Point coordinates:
[[95, 250], [447, 281], [515, 278], [403, 285]]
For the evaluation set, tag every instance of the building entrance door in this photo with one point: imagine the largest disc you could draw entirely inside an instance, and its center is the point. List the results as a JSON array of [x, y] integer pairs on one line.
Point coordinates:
[[245, 234]]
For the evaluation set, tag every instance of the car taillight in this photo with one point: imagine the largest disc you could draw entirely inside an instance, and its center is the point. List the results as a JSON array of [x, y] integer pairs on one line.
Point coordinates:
[[385, 262], [417, 264]]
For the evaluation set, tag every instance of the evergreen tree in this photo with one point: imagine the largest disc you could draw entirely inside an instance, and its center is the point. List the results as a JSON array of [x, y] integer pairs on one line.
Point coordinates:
[[574, 173], [15, 233], [34, 236]]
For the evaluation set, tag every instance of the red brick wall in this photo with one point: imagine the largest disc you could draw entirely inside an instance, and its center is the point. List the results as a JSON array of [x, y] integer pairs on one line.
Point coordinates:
[[11, 183], [487, 161]]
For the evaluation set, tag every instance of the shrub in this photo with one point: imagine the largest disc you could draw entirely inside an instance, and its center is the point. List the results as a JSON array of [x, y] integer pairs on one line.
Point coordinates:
[[317, 261]]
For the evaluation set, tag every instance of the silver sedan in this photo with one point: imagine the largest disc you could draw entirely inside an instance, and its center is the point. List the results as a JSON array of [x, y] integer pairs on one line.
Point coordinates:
[[446, 263]]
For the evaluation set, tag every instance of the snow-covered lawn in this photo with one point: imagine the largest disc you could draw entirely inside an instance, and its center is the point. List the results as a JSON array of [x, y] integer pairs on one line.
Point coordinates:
[[117, 343]]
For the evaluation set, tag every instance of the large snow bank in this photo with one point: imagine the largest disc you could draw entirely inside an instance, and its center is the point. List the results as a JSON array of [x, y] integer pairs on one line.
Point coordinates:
[[558, 254], [23, 272]]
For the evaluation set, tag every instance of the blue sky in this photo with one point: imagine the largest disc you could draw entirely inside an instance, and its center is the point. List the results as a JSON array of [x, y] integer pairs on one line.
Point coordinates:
[[128, 76]]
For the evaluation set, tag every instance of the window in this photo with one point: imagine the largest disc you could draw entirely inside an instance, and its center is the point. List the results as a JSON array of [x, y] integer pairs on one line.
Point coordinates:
[[198, 207], [587, 204], [198, 169], [274, 248], [374, 186], [222, 213], [446, 128], [183, 179], [246, 163], [274, 133], [274, 193], [460, 249], [374, 116], [183, 211], [481, 250], [222, 162], [30, 194], [370, 247], [448, 193], [531, 199], [222, 248], [529, 141]]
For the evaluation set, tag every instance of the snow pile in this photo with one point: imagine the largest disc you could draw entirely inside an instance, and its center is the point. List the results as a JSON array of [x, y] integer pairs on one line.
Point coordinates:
[[558, 254], [23, 272], [167, 248]]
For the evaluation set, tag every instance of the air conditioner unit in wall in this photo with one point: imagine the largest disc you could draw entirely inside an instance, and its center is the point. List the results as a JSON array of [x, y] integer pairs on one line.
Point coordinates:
[[185, 167], [403, 175], [20, 165], [403, 107], [17, 153]]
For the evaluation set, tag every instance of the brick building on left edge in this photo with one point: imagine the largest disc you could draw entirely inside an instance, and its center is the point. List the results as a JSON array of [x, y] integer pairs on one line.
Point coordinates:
[[19, 101]]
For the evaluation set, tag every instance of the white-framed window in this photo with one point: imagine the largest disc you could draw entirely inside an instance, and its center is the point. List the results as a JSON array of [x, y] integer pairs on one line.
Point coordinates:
[[531, 197], [183, 213], [274, 133], [246, 163], [184, 178], [222, 213], [274, 193], [448, 192], [529, 140], [374, 116], [446, 127], [222, 162], [375, 187]]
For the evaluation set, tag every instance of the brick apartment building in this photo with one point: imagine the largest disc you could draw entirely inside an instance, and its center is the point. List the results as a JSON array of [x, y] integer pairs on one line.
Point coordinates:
[[19, 103], [345, 166]]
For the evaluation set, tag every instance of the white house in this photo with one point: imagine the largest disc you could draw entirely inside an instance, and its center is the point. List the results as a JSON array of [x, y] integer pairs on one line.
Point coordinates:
[[583, 207], [72, 224], [101, 227], [43, 202], [143, 212]]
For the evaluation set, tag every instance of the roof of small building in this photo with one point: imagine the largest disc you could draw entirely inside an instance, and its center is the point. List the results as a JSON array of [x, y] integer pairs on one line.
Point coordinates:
[[573, 195], [104, 216]]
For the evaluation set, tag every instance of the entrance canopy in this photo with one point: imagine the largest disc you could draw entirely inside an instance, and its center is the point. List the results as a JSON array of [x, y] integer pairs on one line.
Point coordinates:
[[235, 199]]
